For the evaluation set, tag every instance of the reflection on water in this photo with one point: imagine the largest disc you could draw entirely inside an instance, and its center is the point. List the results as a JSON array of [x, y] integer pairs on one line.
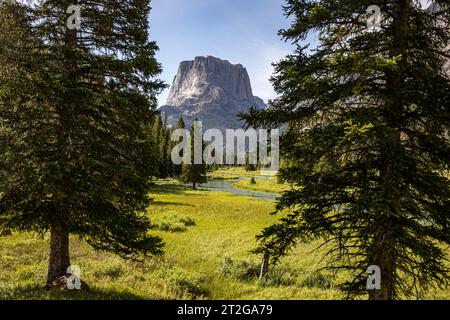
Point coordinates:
[[227, 186]]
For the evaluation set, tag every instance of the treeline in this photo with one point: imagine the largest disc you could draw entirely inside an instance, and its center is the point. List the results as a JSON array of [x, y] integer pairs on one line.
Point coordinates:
[[188, 173], [161, 134]]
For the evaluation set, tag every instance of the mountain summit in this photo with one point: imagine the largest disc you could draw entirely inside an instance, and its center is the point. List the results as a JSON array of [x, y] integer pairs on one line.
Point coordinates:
[[212, 90]]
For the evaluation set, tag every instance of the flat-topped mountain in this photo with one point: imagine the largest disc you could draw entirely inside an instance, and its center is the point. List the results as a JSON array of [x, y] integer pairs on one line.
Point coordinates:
[[212, 90]]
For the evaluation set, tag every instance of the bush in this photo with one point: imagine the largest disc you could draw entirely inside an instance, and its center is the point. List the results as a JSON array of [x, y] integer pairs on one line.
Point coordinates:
[[187, 221], [186, 284], [245, 270], [171, 226], [277, 277], [318, 280], [173, 222]]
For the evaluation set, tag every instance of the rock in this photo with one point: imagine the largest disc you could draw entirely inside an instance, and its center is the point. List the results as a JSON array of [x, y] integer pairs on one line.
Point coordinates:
[[60, 284], [212, 90]]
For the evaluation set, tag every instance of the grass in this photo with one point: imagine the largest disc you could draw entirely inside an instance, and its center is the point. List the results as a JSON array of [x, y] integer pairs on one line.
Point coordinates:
[[269, 185], [209, 259], [236, 173], [173, 222]]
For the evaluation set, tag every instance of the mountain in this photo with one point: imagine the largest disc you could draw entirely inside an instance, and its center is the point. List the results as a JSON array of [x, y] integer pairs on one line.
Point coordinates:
[[212, 90]]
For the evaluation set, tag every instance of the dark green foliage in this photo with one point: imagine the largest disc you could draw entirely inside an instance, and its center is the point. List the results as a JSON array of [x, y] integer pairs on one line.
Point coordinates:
[[248, 165], [186, 284], [76, 154], [367, 142], [174, 222], [249, 270], [318, 280], [244, 270], [162, 134], [278, 277], [181, 124], [193, 173], [177, 169]]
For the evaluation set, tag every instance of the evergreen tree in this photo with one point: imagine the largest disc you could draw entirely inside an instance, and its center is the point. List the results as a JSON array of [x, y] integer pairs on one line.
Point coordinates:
[[248, 165], [166, 161], [161, 133], [168, 152], [181, 124], [193, 173], [367, 144], [178, 168], [76, 154]]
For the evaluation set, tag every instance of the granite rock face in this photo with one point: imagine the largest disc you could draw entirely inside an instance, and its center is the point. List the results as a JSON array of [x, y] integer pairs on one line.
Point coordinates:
[[212, 90], [435, 7]]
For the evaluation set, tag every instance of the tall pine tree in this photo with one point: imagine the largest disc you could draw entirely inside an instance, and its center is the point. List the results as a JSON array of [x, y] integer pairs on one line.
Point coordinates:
[[76, 154], [367, 143], [178, 168], [193, 173]]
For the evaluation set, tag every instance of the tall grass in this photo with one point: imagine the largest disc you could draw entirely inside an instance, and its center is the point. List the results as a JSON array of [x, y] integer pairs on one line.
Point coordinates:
[[218, 225]]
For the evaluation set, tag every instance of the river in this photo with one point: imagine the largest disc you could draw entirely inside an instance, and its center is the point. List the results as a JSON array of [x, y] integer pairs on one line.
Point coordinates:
[[226, 185]]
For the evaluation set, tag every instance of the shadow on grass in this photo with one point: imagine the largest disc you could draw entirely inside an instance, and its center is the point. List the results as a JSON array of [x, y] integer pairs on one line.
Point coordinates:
[[170, 189], [36, 292], [165, 203]]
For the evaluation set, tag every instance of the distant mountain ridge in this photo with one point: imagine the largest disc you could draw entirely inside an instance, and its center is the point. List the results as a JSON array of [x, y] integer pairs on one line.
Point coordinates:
[[212, 90]]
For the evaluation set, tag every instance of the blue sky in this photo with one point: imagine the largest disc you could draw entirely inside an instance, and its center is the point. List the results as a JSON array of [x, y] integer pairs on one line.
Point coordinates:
[[241, 31]]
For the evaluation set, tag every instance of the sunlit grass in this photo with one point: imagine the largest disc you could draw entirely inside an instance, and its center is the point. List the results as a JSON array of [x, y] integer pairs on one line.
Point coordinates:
[[269, 185], [236, 172], [225, 226]]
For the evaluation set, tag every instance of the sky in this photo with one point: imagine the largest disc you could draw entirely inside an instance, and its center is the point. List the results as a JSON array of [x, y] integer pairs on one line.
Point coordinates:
[[240, 31]]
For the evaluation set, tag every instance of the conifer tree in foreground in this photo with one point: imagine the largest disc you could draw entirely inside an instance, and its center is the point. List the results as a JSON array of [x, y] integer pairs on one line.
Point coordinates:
[[75, 107], [367, 143]]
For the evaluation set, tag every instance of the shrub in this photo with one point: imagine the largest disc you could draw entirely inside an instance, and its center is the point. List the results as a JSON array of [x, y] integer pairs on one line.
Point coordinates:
[[171, 226], [278, 276], [173, 222], [186, 284], [318, 280], [187, 221], [245, 270]]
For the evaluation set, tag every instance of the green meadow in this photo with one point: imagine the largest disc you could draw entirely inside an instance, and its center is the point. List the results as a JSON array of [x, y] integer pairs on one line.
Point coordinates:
[[269, 185], [208, 236]]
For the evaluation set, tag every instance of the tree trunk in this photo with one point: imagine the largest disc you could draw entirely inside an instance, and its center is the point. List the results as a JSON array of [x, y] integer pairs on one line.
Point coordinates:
[[264, 266], [384, 257], [383, 251], [193, 186], [59, 259]]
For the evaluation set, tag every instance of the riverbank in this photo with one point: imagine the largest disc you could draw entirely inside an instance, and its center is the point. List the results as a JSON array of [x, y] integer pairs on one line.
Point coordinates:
[[237, 172], [264, 184], [208, 236]]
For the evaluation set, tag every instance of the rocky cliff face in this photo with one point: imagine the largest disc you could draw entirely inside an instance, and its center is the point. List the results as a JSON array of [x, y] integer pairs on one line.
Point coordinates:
[[212, 90], [435, 7]]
